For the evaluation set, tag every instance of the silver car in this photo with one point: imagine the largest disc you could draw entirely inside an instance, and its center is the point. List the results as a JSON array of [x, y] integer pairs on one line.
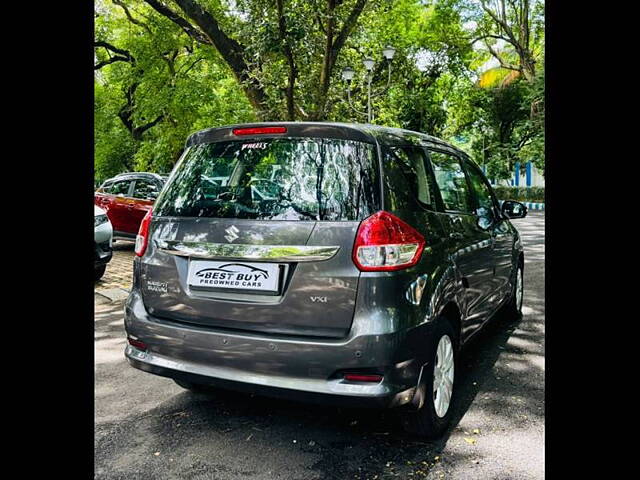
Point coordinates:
[[103, 241], [334, 263]]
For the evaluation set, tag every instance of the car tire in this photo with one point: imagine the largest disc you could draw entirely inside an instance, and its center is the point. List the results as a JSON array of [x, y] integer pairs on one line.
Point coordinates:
[[434, 416], [517, 293], [99, 272], [192, 386]]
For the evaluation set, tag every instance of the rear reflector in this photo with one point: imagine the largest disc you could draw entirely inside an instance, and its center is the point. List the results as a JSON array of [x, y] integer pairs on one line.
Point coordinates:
[[359, 377], [137, 344], [385, 243], [259, 130]]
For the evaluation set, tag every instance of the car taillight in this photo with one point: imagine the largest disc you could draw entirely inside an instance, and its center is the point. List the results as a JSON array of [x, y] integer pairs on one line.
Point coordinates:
[[386, 243], [143, 235], [258, 130]]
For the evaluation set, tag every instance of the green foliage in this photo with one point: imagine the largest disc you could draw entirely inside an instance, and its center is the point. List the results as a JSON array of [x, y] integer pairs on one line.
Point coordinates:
[[521, 194], [160, 84], [114, 147], [502, 125], [174, 78]]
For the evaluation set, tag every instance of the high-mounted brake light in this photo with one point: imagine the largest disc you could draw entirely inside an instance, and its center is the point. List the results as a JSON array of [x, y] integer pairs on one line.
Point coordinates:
[[142, 239], [386, 243], [259, 130], [359, 377]]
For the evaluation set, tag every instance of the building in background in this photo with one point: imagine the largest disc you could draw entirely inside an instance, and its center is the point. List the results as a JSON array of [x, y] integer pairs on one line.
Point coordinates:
[[523, 176]]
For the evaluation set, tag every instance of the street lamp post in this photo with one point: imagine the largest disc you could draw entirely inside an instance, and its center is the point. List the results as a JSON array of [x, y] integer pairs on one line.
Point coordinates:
[[348, 73]]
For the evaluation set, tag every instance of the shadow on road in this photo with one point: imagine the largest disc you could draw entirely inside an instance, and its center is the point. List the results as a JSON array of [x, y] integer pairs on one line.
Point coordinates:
[[346, 443], [123, 245], [234, 435]]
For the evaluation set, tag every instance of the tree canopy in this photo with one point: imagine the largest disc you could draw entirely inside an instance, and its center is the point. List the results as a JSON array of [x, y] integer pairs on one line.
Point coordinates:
[[468, 71]]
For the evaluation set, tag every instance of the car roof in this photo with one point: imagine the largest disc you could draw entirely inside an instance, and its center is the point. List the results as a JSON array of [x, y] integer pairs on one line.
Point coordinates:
[[348, 131], [133, 175]]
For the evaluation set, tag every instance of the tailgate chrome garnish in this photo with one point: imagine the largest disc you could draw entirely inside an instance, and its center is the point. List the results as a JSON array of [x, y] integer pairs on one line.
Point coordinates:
[[224, 251]]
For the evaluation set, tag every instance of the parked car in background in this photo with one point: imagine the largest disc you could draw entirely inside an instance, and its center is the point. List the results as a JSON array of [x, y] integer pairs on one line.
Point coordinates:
[[103, 240], [337, 263], [127, 198]]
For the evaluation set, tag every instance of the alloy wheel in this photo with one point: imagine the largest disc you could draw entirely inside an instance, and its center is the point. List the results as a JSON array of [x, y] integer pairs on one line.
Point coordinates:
[[443, 376], [519, 290]]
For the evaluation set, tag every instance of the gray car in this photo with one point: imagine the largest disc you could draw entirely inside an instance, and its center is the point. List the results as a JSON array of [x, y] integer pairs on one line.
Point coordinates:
[[336, 263]]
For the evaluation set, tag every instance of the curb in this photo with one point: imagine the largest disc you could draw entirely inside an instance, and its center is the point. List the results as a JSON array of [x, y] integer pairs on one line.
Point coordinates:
[[113, 294], [534, 206], [531, 205], [99, 299]]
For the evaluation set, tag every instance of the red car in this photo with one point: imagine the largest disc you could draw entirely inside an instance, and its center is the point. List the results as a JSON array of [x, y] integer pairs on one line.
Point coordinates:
[[127, 198]]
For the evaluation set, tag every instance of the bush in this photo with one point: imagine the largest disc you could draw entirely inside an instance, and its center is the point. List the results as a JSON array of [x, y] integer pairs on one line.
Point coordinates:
[[521, 194]]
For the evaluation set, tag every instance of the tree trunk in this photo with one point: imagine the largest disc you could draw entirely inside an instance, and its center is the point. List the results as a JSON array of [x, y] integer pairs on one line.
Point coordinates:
[[293, 71], [230, 50], [325, 71], [528, 65], [333, 46]]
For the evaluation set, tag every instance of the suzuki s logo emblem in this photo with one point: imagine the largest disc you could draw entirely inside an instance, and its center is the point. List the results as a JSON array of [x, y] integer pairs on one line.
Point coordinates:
[[232, 233]]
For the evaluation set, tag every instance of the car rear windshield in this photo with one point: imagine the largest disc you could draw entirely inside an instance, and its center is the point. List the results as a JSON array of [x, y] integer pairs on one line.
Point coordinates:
[[274, 179]]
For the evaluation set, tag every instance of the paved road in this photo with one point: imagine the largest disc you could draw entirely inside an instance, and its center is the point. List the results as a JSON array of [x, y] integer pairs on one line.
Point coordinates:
[[147, 427], [119, 269]]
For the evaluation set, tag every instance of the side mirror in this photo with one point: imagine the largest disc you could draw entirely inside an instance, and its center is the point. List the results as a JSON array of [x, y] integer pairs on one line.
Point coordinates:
[[513, 209]]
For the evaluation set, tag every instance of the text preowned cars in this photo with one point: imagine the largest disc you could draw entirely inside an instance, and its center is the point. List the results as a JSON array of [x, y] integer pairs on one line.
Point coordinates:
[[334, 263]]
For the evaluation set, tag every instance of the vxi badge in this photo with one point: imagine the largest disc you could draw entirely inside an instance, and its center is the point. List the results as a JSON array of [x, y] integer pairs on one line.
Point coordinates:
[[235, 276]]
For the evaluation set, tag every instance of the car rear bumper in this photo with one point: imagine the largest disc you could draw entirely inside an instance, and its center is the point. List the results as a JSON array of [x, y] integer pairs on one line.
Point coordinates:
[[103, 253], [102, 241], [305, 390], [293, 368]]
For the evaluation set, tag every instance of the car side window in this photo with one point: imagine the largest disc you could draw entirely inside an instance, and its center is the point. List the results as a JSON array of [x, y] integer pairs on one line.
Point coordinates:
[[120, 188], [413, 166], [145, 189], [451, 181], [482, 193], [106, 187]]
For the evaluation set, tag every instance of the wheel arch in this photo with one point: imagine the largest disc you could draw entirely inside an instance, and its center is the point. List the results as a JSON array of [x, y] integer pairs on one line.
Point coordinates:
[[451, 312]]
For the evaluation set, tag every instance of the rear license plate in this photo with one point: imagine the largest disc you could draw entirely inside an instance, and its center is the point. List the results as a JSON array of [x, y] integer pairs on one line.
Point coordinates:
[[258, 277]]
